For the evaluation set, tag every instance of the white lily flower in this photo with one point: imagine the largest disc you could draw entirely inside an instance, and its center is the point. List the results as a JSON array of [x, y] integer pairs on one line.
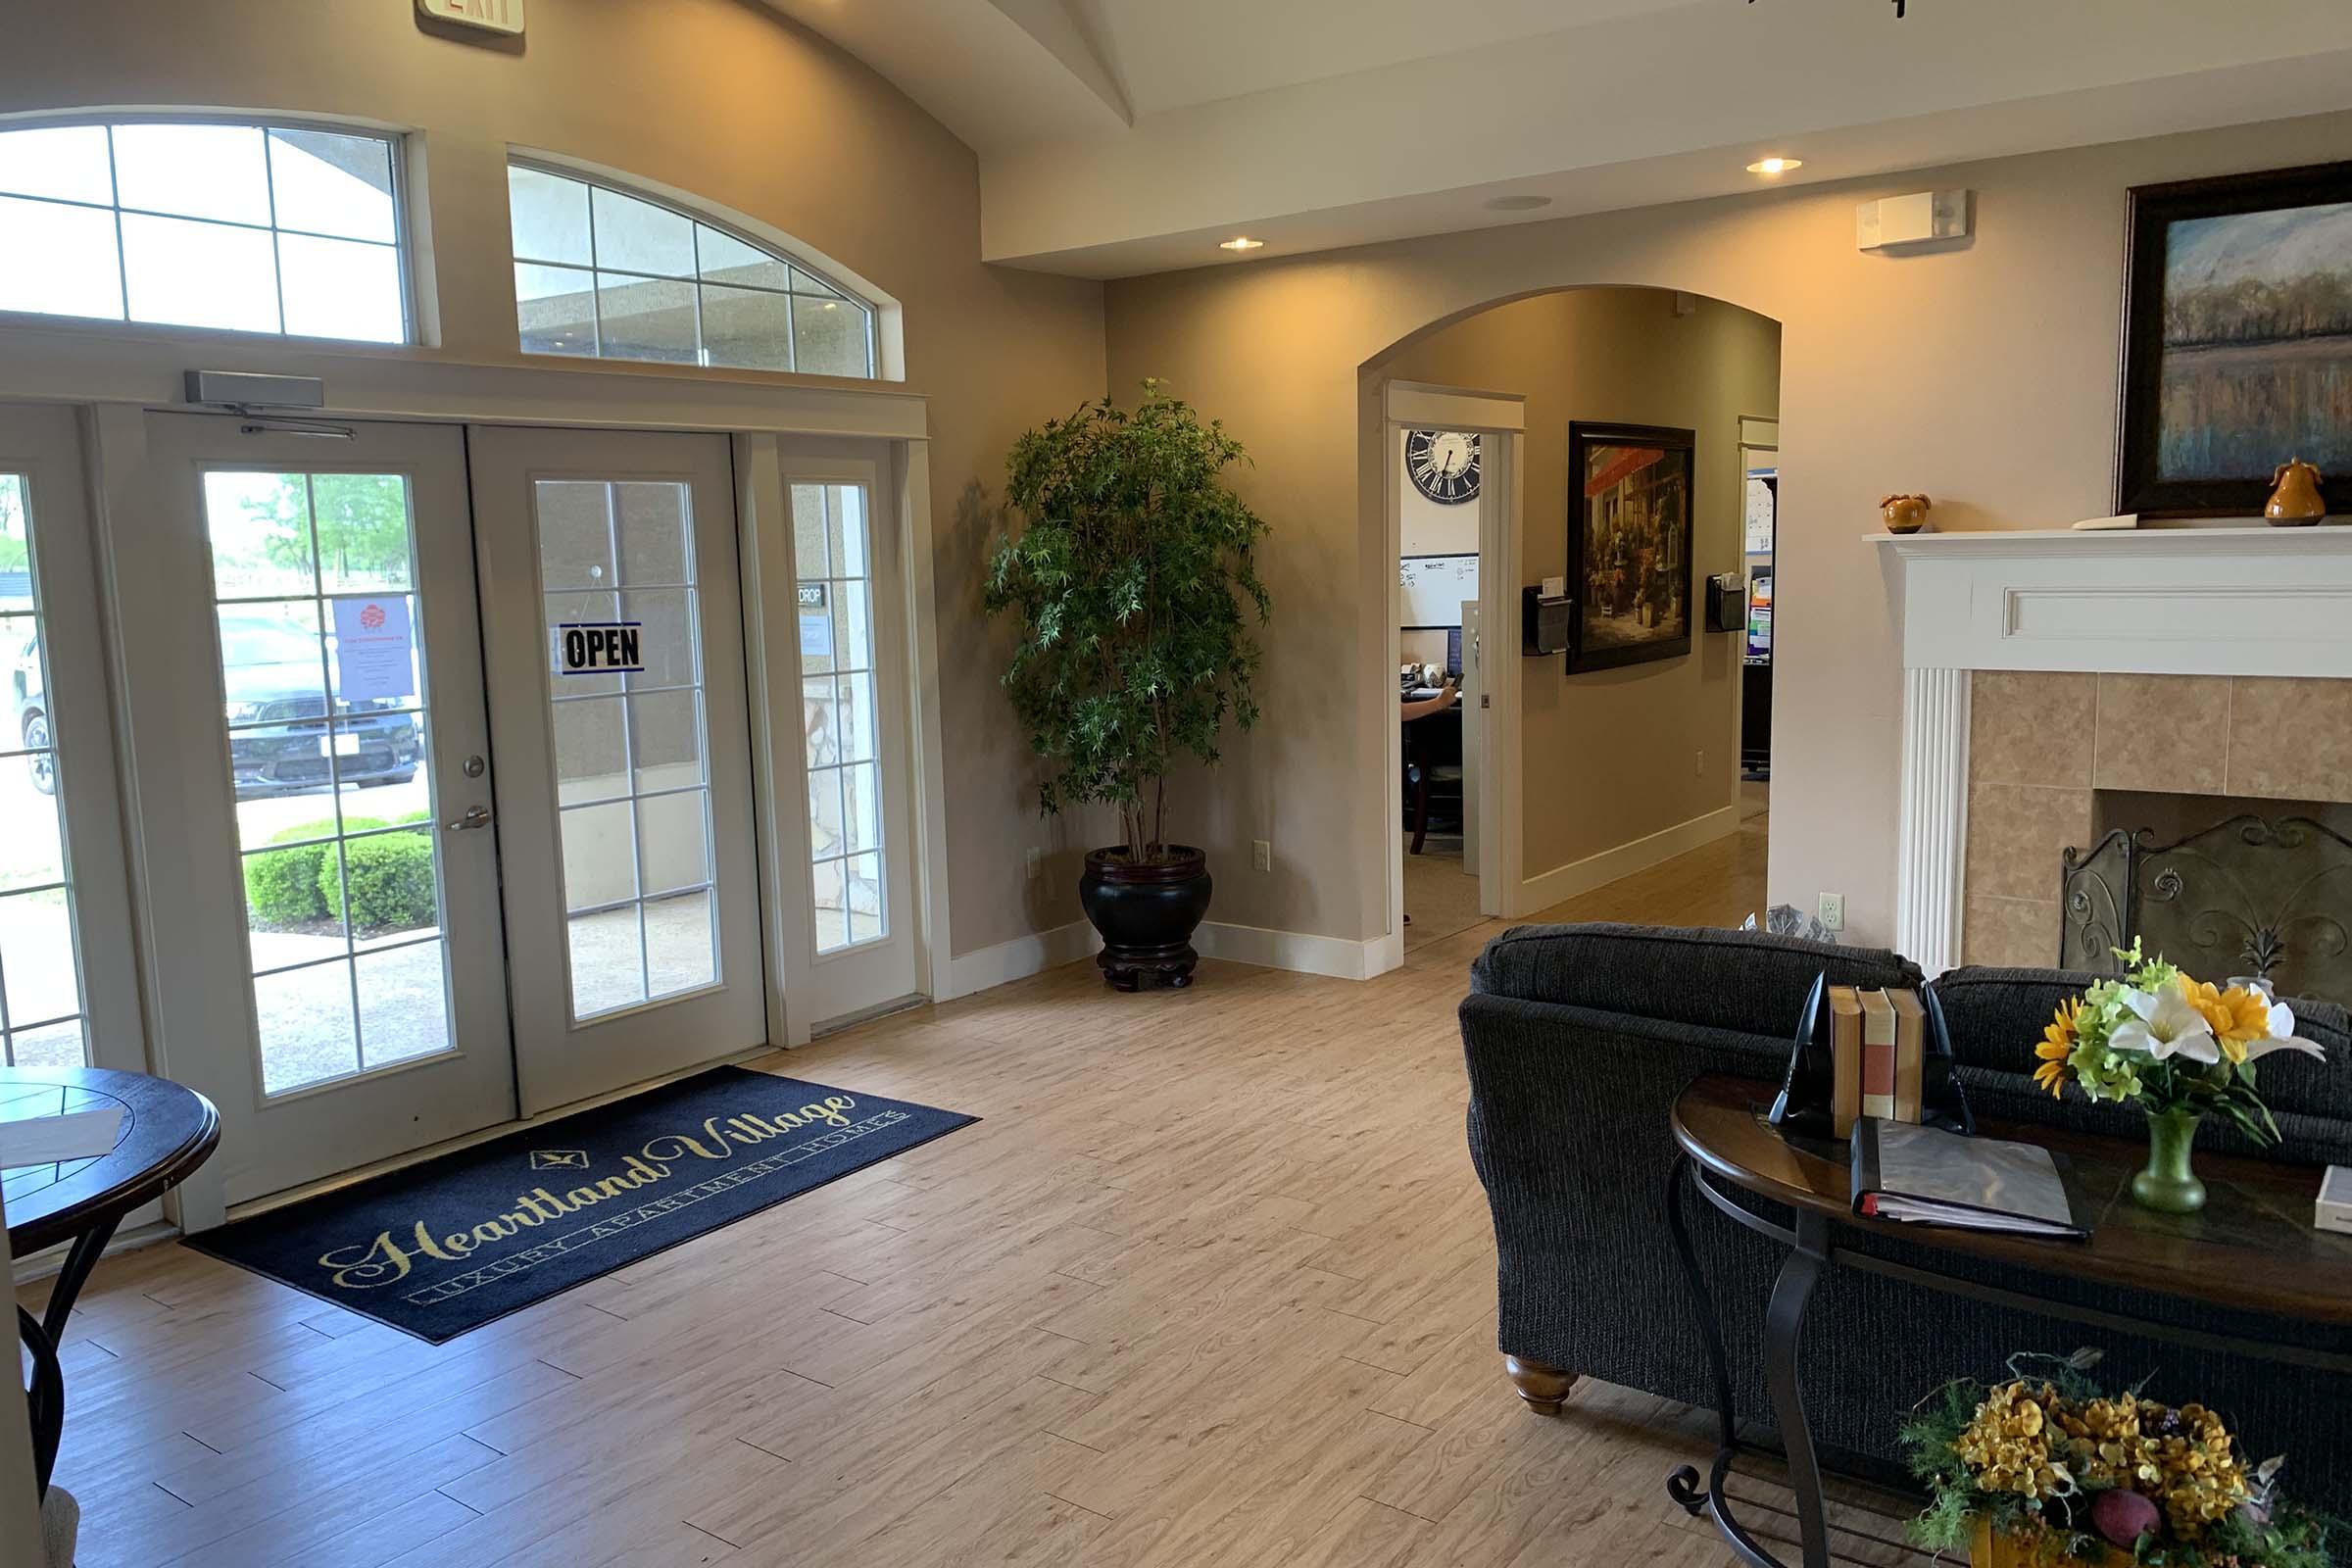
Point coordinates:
[[2164, 1025], [2283, 1037]]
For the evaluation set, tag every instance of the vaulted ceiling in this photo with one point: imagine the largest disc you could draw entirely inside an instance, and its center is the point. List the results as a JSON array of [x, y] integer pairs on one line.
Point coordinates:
[[1126, 137]]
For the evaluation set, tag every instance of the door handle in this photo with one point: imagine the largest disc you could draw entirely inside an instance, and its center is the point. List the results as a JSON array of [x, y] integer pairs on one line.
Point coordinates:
[[478, 816]]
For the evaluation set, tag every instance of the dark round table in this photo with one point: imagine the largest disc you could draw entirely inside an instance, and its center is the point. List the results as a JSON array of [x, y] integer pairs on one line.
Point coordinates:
[[168, 1130]]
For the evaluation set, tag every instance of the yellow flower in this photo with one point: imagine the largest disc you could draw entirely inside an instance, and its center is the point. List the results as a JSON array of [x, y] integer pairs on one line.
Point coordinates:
[[2058, 1044], [2237, 1016]]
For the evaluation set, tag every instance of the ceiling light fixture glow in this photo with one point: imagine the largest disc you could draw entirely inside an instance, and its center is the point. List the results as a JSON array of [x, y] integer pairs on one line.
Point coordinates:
[[1775, 166], [1240, 242]]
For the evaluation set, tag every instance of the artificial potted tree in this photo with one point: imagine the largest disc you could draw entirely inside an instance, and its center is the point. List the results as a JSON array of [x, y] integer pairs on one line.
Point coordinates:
[[1129, 585]]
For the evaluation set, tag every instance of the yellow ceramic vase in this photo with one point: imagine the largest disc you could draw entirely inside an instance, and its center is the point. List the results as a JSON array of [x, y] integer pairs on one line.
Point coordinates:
[[1990, 1551], [2296, 500]]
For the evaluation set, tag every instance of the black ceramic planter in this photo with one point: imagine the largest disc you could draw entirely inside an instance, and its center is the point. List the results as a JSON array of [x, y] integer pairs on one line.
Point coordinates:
[[1146, 914]]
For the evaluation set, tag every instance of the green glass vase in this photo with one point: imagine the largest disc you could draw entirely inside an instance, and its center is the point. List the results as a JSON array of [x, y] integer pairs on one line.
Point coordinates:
[[2168, 1185]]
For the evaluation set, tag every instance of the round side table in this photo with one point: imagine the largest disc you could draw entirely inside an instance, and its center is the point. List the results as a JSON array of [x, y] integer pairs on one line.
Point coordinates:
[[168, 1130]]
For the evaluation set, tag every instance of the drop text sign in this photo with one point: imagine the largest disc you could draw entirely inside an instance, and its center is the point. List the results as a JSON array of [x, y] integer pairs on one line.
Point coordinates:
[[598, 647]]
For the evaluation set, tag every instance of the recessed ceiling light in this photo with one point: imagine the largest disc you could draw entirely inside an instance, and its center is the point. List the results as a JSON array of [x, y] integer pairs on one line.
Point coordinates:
[[1240, 242], [1516, 204], [1775, 166]]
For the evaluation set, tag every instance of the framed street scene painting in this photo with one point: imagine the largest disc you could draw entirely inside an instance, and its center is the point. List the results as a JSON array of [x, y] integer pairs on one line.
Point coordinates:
[[2237, 340], [1629, 544]]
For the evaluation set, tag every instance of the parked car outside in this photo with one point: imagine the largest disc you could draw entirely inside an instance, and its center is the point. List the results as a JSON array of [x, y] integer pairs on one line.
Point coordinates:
[[28, 709], [279, 743]]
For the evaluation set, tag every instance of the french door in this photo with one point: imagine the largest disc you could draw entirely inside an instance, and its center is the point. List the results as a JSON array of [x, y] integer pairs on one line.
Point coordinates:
[[614, 628], [316, 672], [851, 765]]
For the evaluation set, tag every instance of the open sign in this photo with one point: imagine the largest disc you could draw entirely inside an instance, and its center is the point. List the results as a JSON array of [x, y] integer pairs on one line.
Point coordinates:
[[598, 647]]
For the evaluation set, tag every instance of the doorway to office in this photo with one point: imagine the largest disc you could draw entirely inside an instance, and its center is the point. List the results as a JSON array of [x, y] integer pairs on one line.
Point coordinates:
[[1450, 464], [1606, 643]]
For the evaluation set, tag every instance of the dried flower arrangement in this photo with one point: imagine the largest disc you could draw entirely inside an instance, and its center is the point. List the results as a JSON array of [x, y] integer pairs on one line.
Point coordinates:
[[2068, 1471]]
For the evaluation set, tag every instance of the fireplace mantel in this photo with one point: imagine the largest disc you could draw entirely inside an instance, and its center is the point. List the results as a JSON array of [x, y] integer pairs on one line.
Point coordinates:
[[2222, 601], [2233, 600]]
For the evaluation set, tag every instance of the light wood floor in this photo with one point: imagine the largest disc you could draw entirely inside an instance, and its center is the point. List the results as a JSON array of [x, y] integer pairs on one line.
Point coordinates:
[[1211, 1285]]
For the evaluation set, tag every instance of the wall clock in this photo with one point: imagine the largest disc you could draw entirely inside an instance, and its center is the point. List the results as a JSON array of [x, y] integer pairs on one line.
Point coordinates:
[[1444, 465]]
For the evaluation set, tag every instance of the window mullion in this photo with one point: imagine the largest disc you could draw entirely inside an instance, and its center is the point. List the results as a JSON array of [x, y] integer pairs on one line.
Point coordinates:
[[114, 192]]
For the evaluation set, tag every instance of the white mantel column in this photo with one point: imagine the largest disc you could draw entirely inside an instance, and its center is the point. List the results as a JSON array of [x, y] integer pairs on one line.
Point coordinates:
[[1933, 838]]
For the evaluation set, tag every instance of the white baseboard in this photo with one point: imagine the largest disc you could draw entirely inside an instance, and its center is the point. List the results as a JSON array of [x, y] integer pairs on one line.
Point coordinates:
[[1337, 956], [1596, 871], [1022, 957]]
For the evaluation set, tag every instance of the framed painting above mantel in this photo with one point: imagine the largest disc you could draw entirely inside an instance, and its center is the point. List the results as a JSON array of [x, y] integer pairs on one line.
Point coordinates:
[[2237, 340], [1629, 543]]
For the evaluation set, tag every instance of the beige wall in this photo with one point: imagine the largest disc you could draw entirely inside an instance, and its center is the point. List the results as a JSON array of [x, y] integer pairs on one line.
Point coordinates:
[[720, 98], [1984, 376], [1611, 756]]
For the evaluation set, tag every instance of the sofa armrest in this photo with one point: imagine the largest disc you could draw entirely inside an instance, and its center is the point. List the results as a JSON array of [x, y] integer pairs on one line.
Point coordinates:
[[1569, 1133]]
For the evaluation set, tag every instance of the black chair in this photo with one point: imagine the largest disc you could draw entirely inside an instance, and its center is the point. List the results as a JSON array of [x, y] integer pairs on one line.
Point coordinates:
[[1433, 768]]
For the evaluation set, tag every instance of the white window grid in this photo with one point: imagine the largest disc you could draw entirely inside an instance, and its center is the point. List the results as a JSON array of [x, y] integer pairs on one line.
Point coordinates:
[[321, 601], [631, 793], [14, 754], [826, 293], [834, 774], [398, 245]]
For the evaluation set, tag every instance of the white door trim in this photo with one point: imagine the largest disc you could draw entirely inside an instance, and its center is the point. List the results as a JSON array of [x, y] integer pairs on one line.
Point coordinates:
[[779, 785], [144, 366], [1500, 418], [928, 777]]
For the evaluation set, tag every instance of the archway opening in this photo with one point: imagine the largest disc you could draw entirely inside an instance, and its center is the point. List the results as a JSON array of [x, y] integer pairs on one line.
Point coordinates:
[[1611, 454]]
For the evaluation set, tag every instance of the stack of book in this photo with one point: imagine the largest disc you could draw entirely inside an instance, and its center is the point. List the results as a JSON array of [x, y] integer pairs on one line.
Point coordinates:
[[1878, 1043]]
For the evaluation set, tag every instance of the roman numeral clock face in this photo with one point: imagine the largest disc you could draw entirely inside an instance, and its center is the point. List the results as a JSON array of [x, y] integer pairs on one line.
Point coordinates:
[[1444, 465]]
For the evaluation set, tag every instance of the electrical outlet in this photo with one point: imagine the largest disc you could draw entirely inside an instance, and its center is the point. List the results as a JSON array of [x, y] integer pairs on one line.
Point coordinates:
[[1833, 910], [1700, 766], [1261, 855], [1037, 862]]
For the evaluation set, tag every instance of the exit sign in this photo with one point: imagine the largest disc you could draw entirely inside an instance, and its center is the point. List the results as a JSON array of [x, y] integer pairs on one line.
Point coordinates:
[[492, 15]]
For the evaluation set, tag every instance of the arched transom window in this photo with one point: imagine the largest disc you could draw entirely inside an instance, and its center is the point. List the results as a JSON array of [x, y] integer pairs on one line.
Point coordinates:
[[606, 274]]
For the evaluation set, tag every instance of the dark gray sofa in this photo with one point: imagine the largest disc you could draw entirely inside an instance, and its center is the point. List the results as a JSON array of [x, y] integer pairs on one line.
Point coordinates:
[[1579, 1037]]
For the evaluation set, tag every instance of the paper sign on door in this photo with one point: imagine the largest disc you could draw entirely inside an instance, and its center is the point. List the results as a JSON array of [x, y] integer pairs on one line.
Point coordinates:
[[816, 622], [376, 651], [598, 647]]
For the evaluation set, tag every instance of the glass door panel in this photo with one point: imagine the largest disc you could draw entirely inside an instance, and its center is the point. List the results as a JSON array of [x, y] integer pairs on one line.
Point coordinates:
[[633, 798], [41, 1015], [846, 848], [324, 682]]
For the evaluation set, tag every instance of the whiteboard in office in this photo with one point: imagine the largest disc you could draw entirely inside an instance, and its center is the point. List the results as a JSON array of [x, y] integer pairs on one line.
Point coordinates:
[[1434, 588]]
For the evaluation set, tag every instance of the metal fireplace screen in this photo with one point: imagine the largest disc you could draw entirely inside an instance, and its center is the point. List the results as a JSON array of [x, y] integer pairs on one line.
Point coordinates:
[[2252, 895]]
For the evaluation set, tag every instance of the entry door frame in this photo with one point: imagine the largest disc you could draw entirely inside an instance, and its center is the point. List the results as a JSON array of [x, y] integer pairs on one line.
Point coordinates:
[[114, 383], [1499, 420]]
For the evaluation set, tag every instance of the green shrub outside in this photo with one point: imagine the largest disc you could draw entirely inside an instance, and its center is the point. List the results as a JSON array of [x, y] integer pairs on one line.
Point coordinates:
[[281, 886], [391, 883]]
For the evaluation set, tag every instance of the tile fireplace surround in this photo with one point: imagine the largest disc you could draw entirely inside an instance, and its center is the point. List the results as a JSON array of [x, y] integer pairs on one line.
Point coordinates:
[[2041, 667]]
